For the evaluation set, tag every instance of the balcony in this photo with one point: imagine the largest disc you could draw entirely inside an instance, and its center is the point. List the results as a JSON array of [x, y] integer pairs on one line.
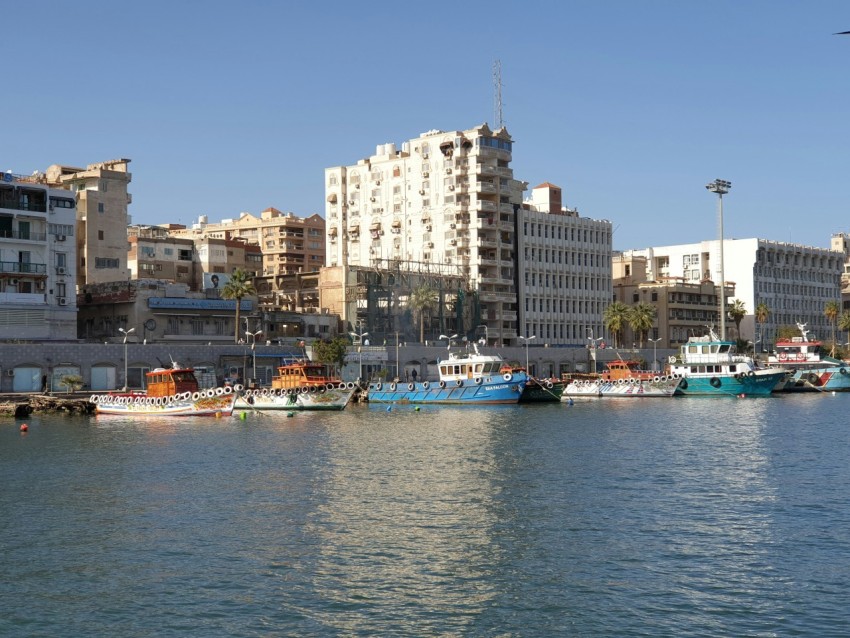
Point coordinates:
[[25, 236], [22, 268]]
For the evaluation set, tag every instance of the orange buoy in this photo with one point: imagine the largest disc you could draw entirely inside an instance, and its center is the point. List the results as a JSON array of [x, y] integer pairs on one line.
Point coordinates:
[[24, 427]]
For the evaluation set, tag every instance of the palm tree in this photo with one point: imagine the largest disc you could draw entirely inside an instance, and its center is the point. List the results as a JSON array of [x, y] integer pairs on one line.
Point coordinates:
[[762, 315], [831, 310], [239, 286], [615, 317], [640, 318], [423, 299], [736, 313], [844, 323]]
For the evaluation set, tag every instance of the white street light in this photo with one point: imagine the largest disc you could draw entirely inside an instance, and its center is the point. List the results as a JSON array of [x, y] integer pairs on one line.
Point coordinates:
[[252, 336], [126, 334], [450, 340], [721, 187], [654, 352], [527, 339], [359, 336]]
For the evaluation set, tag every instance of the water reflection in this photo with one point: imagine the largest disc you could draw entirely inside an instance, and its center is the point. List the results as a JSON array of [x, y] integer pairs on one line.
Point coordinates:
[[403, 532]]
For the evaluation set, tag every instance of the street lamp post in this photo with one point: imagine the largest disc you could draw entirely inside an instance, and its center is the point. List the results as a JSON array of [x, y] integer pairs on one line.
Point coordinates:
[[126, 334], [527, 339], [359, 336], [252, 336], [654, 352], [721, 187]]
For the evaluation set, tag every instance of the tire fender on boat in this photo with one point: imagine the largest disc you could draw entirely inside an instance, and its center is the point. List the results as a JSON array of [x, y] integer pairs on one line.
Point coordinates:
[[715, 382], [410, 386], [378, 387], [425, 385], [507, 376], [442, 384], [392, 387], [196, 396], [459, 383]]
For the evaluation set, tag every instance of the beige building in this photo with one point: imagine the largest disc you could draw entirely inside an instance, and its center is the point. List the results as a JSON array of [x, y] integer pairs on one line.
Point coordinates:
[[102, 199], [684, 308]]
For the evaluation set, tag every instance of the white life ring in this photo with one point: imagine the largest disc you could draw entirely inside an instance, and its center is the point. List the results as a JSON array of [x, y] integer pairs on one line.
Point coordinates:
[[507, 376]]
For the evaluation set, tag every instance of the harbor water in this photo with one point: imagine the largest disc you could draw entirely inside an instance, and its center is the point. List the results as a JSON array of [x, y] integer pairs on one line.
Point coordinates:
[[655, 517]]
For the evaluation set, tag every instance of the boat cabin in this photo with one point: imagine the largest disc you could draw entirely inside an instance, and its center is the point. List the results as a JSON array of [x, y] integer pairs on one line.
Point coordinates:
[[796, 350], [300, 374], [470, 367], [626, 369], [163, 382]]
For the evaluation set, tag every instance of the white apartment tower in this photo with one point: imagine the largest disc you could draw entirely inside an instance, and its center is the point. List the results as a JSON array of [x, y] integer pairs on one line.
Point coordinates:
[[446, 202], [37, 291], [565, 270]]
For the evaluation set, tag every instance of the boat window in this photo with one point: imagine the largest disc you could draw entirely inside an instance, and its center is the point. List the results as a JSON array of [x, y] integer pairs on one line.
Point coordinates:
[[726, 347]]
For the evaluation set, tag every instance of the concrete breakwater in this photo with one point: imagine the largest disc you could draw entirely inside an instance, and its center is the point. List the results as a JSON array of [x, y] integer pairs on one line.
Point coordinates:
[[21, 406]]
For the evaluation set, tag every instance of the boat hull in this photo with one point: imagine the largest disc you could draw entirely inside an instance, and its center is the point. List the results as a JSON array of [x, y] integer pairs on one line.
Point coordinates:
[[540, 391], [817, 379], [327, 397], [758, 384], [216, 402], [629, 389], [489, 390]]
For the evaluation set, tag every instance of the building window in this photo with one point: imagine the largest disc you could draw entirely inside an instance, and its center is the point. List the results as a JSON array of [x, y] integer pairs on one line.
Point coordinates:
[[100, 234], [100, 207]]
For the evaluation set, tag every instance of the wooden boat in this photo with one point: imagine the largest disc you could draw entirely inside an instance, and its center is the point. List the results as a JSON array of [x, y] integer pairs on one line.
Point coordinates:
[[300, 385], [465, 378], [809, 369], [170, 392], [712, 367], [622, 378]]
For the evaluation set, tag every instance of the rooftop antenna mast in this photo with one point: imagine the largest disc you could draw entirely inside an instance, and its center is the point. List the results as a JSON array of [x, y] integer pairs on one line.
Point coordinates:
[[497, 100]]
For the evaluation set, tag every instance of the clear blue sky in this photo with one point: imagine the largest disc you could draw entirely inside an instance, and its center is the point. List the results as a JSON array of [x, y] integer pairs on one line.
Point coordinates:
[[631, 107]]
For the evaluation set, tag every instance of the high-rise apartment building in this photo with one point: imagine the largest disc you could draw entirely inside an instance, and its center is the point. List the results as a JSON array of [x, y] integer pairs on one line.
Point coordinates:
[[445, 203]]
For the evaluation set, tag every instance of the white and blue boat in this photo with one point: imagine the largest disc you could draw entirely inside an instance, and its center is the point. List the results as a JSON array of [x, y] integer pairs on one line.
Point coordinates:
[[712, 367], [810, 370], [465, 378]]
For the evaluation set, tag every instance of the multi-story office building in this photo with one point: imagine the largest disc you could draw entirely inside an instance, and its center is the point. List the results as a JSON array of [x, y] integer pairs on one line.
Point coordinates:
[[37, 256], [794, 281], [102, 199], [444, 205], [564, 270]]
